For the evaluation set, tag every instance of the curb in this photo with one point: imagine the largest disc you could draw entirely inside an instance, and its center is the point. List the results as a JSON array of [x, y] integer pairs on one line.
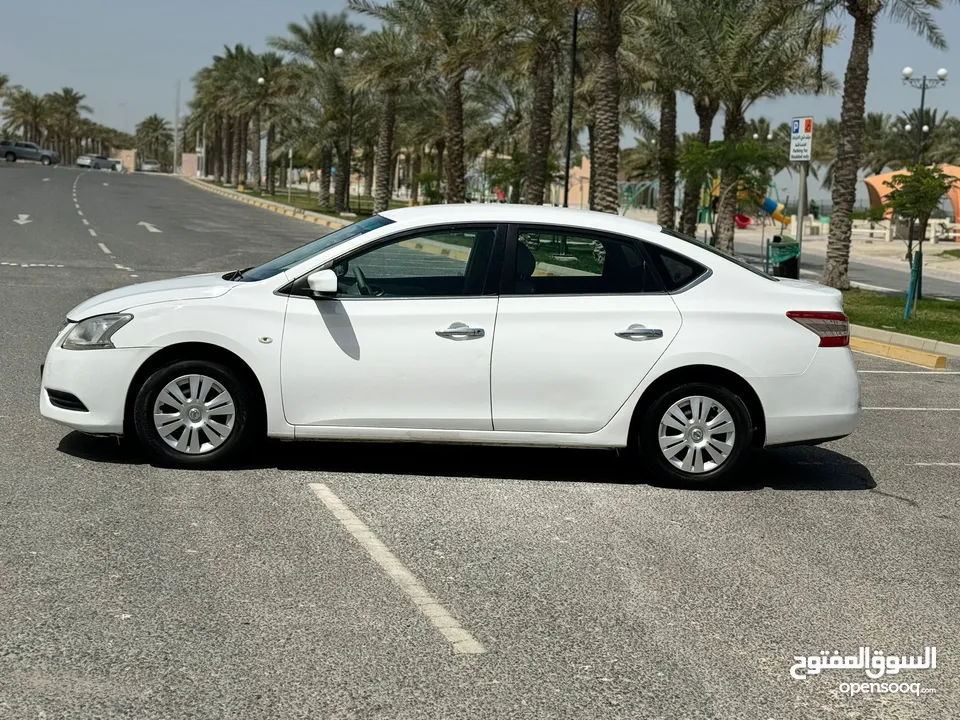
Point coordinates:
[[305, 215], [896, 352], [937, 347]]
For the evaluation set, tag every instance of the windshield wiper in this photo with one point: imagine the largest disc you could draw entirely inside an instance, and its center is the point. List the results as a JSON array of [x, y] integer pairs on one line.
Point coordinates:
[[237, 274]]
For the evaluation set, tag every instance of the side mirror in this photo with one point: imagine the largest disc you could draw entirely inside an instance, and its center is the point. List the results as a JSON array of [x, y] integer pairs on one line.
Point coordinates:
[[323, 282]]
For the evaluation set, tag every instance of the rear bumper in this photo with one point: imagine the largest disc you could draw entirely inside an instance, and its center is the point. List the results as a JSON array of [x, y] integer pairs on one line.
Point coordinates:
[[98, 379], [821, 403]]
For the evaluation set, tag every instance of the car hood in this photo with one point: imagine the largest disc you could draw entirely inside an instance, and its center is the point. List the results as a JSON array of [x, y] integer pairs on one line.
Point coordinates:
[[190, 287]]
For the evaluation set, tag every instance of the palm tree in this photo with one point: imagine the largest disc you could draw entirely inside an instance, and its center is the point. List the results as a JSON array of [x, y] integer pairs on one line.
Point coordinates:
[[916, 15], [154, 136], [65, 108], [27, 114], [390, 66], [459, 35]]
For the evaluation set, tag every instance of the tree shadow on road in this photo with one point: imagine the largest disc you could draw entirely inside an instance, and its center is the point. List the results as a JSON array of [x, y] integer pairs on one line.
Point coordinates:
[[795, 468]]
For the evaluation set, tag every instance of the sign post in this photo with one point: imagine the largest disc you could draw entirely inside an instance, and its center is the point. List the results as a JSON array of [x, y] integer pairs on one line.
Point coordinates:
[[801, 151]]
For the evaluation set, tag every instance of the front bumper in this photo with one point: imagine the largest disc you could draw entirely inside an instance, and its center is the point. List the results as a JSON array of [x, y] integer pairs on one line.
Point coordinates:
[[99, 379], [821, 403]]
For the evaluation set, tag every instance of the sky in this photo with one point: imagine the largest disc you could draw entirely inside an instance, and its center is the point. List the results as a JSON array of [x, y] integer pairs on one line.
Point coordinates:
[[126, 56]]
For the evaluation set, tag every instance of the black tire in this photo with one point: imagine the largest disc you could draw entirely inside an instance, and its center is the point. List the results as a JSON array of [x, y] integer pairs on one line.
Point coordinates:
[[45, 160], [725, 472], [246, 427], [96, 166], [10, 157]]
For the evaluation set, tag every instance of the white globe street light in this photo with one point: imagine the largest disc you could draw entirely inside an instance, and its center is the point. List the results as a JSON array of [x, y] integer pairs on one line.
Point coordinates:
[[942, 73], [338, 53], [769, 136], [925, 128], [756, 136], [908, 127], [908, 72], [260, 81]]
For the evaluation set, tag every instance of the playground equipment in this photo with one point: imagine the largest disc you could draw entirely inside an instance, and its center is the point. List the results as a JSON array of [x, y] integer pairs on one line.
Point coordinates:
[[775, 210]]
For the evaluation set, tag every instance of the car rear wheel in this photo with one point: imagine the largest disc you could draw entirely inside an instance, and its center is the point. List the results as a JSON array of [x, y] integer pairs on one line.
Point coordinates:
[[96, 166], [45, 160], [10, 157], [696, 435], [195, 414]]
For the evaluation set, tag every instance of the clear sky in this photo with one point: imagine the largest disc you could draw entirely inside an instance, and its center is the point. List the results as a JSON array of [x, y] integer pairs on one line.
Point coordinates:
[[127, 55]]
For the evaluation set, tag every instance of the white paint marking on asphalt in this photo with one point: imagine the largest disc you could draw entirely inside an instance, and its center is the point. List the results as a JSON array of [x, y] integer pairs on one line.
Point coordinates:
[[80, 213], [957, 464], [92, 232], [148, 226], [858, 285], [134, 276], [915, 409], [911, 372], [85, 221], [23, 219], [45, 180], [105, 249], [106, 184], [118, 266], [462, 641]]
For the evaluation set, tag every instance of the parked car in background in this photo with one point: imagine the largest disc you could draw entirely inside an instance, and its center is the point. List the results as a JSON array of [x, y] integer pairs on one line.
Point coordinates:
[[13, 150], [455, 323], [96, 162], [117, 164], [150, 166]]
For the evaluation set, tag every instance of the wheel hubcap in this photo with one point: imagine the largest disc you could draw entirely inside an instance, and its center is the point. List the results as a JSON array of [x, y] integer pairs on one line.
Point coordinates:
[[697, 434], [194, 414]]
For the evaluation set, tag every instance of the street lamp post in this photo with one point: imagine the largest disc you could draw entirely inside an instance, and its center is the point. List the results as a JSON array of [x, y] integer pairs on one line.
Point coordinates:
[[339, 54], [573, 80], [922, 84]]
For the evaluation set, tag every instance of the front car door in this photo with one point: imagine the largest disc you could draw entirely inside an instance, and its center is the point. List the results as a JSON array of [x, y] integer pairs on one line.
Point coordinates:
[[28, 151], [582, 319], [406, 342]]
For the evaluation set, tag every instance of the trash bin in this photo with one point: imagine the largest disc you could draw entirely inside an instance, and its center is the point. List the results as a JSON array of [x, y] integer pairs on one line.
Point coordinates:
[[784, 257]]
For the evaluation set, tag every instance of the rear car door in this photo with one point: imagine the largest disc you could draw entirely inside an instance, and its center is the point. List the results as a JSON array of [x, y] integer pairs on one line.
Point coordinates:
[[28, 151], [582, 319]]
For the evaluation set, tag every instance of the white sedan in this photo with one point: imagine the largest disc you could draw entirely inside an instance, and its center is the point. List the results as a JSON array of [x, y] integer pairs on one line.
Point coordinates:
[[487, 324]]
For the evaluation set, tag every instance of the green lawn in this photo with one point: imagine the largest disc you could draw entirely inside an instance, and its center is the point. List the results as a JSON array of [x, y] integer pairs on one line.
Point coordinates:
[[936, 319], [305, 201], [952, 253]]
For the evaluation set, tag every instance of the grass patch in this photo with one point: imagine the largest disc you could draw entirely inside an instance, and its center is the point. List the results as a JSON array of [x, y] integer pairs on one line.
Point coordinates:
[[308, 201], [936, 319], [952, 253]]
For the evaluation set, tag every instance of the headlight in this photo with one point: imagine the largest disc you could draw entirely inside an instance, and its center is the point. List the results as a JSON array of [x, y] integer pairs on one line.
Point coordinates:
[[94, 333]]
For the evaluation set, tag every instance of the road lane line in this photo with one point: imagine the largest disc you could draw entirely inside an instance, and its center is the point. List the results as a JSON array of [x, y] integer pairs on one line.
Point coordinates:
[[80, 213], [956, 464], [92, 232], [85, 221], [118, 266], [461, 640], [105, 249]]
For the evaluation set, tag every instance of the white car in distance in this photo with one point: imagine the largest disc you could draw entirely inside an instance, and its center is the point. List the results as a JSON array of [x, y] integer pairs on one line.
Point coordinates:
[[488, 324]]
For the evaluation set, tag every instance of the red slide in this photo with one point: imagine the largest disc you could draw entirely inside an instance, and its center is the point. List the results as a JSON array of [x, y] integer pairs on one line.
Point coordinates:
[[743, 222]]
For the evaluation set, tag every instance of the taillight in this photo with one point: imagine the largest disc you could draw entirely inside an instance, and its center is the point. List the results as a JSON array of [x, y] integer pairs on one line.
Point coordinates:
[[833, 328]]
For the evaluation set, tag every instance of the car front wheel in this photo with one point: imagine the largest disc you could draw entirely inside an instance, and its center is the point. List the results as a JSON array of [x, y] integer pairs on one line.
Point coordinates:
[[194, 414], [45, 160], [696, 435]]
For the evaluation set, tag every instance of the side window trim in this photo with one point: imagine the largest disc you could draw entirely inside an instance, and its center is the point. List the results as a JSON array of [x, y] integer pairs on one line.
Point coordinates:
[[507, 285], [660, 269], [297, 288]]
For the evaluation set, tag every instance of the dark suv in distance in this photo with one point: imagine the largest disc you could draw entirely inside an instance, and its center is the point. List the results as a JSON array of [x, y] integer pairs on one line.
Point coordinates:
[[13, 150]]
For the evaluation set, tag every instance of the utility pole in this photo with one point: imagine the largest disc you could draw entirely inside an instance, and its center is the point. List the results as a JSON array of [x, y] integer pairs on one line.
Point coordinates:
[[573, 80], [176, 129]]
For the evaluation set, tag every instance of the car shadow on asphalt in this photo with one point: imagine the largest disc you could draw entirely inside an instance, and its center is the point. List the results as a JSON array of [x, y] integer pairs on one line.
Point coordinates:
[[793, 468]]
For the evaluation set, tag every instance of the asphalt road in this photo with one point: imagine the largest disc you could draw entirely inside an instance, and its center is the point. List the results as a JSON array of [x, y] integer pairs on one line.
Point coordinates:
[[133, 591]]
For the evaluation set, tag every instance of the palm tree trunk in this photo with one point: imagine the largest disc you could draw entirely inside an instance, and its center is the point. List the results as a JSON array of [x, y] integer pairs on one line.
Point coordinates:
[[456, 190], [591, 186], [340, 183], [227, 149], [606, 158], [237, 144], [417, 166], [368, 169], [388, 116], [217, 147], [441, 145], [323, 193], [733, 129], [844, 193], [271, 177], [667, 160], [693, 186], [257, 176], [541, 122], [244, 142]]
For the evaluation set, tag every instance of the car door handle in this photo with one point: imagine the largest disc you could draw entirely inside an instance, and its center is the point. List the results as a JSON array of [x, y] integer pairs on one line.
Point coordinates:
[[637, 331], [461, 331]]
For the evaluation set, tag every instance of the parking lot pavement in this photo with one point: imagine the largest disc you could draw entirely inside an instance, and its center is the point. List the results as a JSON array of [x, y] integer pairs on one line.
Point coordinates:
[[135, 591]]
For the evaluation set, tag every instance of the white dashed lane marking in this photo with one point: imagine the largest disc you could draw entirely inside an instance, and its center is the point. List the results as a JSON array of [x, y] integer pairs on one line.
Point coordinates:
[[92, 232], [105, 249], [461, 640]]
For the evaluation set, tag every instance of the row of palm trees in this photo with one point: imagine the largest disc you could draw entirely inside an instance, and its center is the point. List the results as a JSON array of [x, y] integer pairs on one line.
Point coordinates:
[[448, 83], [56, 120]]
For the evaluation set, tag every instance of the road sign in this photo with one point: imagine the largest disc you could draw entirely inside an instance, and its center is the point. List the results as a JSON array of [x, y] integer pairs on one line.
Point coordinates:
[[801, 139]]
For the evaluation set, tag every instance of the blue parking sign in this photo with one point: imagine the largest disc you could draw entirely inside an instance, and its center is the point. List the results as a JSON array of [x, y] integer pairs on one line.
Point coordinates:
[[796, 126]]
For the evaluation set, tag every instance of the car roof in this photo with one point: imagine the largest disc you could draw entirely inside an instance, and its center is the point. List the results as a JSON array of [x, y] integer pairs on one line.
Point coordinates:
[[532, 214]]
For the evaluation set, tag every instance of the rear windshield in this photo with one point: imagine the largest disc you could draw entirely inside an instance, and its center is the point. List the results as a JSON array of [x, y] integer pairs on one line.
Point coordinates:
[[725, 256]]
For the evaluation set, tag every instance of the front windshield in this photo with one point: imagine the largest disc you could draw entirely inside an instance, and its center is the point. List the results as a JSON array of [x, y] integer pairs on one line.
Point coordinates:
[[312, 249]]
